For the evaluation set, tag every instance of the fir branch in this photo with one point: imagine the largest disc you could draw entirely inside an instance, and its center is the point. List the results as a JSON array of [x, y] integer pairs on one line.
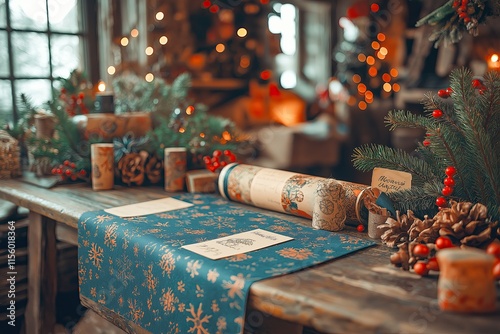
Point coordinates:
[[418, 199], [406, 119], [370, 156], [477, 141]]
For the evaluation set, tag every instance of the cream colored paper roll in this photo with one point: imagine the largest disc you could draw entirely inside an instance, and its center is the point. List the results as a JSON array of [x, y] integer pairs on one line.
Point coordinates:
[[281, 191], [329, 209], [102, 159], [175, 168]]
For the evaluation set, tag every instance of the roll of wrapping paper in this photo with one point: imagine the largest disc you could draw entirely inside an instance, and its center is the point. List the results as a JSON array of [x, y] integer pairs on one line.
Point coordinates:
[[282, 191]]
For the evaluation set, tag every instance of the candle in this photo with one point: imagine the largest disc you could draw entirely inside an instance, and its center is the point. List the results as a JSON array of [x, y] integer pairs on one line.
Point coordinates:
[[102, 159], [175, 168]]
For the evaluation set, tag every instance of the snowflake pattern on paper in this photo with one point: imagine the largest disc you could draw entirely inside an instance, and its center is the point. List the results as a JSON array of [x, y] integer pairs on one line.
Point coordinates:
[[148, 279]]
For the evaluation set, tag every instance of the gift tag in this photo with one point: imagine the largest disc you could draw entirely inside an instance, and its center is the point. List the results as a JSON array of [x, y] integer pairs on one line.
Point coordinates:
[[388, 180]]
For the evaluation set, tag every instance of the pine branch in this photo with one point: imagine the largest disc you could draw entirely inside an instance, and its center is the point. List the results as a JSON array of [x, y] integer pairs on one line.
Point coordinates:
[[406, 119], [370, 156], [421, 200], [477, 142]]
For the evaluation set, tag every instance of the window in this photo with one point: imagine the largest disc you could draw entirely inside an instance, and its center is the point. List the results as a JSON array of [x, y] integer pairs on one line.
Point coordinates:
[[40, 40]]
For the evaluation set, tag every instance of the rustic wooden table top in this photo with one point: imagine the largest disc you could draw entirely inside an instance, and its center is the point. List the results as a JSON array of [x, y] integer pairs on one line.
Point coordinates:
[[358, 293]]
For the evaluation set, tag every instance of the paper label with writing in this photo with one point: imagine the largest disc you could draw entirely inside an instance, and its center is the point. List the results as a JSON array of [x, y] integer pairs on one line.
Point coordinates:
[[237, 244], [388, 180], [148, 207]]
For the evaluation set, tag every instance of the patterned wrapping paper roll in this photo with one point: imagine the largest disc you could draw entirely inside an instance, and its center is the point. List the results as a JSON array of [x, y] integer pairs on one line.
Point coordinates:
[[329, 206], [284, 191], [175, 168]]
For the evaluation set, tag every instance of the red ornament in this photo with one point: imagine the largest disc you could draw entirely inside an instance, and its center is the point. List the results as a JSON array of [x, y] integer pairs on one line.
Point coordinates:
[[426, 143], [447, 191], [449, 181], [450, 171], [360, 228], [476, 83], [442, 93], [437, 113], [421, 250], [441, 202]]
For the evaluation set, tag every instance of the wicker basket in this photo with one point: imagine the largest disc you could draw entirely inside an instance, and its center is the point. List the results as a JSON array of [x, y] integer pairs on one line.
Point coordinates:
[[10, 157]]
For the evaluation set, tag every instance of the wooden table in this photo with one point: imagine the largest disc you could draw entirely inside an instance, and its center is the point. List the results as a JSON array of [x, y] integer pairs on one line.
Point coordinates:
[[359, 293]]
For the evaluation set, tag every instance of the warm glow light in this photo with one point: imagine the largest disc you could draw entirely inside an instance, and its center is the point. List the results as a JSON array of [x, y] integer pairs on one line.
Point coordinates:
[[351, 101], [494, 58], [356, 78], [265, 75], [202, 135], [134, 33], [372, 71], [242, 32], [361, 88], [386, 77], [383, 50], [394, 72], [124, 41], [361, 57], [206, 4], [374, 7], [101, 86], [149, 77], [380, 55], [226, 135], [362, 105], [189, 110], [111, 70], [288, 79], [370, 60], [182, 130], [220, 48], [375, 45], [163, 40], [369, 95], [149, 50], [381, 37], [159, 16], [244, 61], [396, 87], [387, 87]]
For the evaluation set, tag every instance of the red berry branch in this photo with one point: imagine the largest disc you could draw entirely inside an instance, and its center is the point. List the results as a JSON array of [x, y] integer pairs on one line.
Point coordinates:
[[219, 160], [68, 171]]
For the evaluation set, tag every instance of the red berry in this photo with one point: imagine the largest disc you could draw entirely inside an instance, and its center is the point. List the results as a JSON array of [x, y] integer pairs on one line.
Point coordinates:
[[216, 165], [496, 269], [449, 90], [462, 15], [447, 191], [482, 90], [449, 181], [443, 93], [83, 172], [59, 171], [207, 159], [467, 19], [72, 165], [68, 172], [421, 250], [426, 142], [66, 162], [223, 163], [433, 264], [443, 242], [494, 249], [360, 228], [73, 177], [217, 153], [215, 159], [476, 83], [228, 153], [420, 268], [441, 202], [450, 171], [53, 171], [437, 113], [232, 158]]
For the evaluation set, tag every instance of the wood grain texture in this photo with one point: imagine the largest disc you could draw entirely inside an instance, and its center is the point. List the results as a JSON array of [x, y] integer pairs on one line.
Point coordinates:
[[358, 293]]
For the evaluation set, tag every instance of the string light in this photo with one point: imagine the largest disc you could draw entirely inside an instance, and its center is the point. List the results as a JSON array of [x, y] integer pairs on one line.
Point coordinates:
[[159, 16], [375, 45], [220, 47], [124, 41], [101, 86], [111, 70], [396, 87], [372, 71], [362, 105], [356, 78], [149, 50], [242, 32], [374, 7], [361, 57], [370, 60], [189, 110], [361, 88], [163, 40], [381, 37], [149, 77], [386, 77], [387, 87], [394, 72], [134, 33]]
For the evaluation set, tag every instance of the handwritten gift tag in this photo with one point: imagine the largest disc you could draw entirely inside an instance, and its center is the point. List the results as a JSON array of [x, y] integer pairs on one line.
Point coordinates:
[[388, 180], [236, 244]]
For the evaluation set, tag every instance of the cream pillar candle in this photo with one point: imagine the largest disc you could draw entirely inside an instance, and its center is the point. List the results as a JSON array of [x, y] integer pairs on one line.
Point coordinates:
[[175, 168], [102, 160]]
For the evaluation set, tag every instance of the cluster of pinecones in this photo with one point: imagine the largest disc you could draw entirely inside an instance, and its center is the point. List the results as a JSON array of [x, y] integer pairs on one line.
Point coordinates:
[[464, 223]]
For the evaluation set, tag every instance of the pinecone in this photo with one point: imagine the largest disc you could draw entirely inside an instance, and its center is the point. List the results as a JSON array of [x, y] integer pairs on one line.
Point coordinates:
[[131, 169], [401, 257], [153, 169], [466, 224], [422, 231], [396, 230]]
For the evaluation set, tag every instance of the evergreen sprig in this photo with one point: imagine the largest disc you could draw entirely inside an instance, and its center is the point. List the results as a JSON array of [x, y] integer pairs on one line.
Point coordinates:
[[466, 137]]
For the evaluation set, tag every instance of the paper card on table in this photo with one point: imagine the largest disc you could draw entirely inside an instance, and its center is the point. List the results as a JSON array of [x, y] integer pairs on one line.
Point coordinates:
[[388, 180], [148, 208], [237, 244]]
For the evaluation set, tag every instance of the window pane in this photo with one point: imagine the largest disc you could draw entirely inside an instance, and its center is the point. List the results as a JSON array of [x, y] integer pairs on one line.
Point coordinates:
[[3, 18], [6, 114], [31, 54], [63, 16], [38, 91], [65, 55], [28, 14], [4, 55]]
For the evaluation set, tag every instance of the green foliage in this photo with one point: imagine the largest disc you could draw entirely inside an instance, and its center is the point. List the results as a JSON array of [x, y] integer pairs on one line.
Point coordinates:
[[466, 137]]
